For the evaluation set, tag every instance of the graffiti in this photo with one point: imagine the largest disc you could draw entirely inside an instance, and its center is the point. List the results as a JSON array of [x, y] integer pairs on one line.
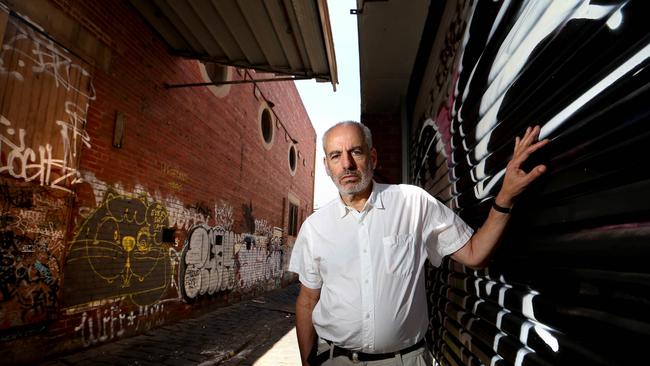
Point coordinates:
[[175, 260], [207, 262], [45, 57], [173, 172], [179, 177], [175, 186], [199, 214], [32, 229], [119, 249], [223, 216], [258, 263], [214, 260], [25, 163], [179, 215], [72, 130], [263, 228], [447, 55], [18, 198], [108, 323], [43, 148], [423, 161], [184, 217], [201, 208], [29, 281]]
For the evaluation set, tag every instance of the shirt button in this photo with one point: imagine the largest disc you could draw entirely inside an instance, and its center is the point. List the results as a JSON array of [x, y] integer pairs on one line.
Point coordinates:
[[367, 316], [365, 251], [366, 281]]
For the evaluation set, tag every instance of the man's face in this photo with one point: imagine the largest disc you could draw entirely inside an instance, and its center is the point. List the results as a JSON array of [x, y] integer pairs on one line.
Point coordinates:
[[348, 161]]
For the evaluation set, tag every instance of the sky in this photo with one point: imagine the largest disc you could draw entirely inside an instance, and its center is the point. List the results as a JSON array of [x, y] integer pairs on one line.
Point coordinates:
[[326, 107]]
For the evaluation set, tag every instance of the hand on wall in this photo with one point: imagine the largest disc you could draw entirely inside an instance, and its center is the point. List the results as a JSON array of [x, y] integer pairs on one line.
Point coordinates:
[[516, 179]]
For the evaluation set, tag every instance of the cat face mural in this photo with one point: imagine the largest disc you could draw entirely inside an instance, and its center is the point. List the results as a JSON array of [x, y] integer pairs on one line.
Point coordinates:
[[118, 251]]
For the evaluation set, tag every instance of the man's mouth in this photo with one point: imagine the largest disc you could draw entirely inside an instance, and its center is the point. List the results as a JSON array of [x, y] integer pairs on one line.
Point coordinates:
[[349, 177]]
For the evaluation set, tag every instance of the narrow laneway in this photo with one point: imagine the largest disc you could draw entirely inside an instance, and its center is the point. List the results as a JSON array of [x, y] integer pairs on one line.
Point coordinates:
[[256, 332]]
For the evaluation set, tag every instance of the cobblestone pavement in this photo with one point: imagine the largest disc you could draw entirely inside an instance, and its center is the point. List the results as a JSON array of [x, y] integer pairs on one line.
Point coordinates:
[[254, 332]]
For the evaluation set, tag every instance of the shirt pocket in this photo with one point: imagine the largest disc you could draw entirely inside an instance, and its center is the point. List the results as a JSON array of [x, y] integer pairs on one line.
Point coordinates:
[[399, 254]]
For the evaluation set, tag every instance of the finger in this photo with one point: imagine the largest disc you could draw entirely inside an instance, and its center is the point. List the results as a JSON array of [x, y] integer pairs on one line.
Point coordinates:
[[517, 141], [528, 141], [520, 142], [524, 154], [534, 174], [536, 146], [531, 135]]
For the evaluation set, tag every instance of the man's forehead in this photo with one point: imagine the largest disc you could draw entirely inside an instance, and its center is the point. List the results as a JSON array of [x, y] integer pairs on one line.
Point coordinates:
[[345, 134]]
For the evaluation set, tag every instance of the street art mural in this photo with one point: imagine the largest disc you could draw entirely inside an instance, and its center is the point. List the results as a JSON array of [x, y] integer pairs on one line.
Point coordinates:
[[107, 249], [118, 251]]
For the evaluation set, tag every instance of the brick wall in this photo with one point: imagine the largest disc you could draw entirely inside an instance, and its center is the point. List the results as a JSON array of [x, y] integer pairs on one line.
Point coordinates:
[[188, 213]]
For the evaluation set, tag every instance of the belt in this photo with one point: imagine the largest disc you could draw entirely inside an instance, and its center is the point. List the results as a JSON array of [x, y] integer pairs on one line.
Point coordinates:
[[356, 356]]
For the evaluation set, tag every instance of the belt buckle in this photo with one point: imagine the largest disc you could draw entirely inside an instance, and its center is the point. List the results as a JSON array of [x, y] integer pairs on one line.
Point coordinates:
[[355, 357]]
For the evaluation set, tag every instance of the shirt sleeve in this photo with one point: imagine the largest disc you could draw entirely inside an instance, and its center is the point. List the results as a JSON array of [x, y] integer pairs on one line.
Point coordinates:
[[444, 232], [302, 260]]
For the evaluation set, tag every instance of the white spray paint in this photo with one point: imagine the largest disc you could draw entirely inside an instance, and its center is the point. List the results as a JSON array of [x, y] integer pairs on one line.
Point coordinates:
[[36, 163], [101, 325]]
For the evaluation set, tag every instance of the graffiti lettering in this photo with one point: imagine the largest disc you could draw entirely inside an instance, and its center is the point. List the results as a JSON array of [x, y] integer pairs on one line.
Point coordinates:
[[173, 172], [106, 324], [207, 264], [24, 163], [184, 218], [28, 56], [214, 260]]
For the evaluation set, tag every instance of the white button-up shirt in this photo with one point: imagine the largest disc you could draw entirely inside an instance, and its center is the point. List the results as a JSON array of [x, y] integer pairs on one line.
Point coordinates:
[[369, 265]]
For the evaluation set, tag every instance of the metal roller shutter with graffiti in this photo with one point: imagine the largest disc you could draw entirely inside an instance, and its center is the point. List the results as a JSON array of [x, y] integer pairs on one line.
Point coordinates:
[[569, 284]]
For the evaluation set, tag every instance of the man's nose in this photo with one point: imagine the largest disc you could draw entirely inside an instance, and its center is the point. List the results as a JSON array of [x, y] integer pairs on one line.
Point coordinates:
[[348, 162]]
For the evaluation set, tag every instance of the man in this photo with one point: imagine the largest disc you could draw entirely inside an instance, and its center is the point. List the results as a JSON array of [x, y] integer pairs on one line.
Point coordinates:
[[360, 258]]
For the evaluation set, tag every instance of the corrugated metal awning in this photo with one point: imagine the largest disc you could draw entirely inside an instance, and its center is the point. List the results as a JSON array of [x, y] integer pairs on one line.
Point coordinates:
[[290, 37]]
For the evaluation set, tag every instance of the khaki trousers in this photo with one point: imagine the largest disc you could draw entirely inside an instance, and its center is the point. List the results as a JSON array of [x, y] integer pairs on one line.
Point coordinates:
[[419, 357]]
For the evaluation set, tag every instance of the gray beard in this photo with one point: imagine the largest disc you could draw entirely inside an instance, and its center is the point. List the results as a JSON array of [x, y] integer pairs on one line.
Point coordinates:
[[366, 179]]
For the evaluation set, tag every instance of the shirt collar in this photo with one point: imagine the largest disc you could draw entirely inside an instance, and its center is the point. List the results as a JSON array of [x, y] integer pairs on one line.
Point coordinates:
[[374, 200]]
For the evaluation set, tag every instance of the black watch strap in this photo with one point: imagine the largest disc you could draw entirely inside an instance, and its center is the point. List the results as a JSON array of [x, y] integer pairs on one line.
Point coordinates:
[[501, 209]]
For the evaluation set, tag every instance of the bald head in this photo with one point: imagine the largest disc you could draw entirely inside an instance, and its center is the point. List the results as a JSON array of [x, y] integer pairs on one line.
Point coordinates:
[[365, 132]]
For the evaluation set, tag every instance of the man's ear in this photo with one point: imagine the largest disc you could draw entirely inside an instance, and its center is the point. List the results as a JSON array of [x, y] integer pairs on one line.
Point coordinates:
[[373, 158]]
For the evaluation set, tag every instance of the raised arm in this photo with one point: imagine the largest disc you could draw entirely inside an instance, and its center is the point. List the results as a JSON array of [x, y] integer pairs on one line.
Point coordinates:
[[307, 299], [478, 249]]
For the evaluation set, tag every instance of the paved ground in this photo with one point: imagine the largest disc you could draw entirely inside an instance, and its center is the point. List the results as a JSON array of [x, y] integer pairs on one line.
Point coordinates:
[[256, 332]]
